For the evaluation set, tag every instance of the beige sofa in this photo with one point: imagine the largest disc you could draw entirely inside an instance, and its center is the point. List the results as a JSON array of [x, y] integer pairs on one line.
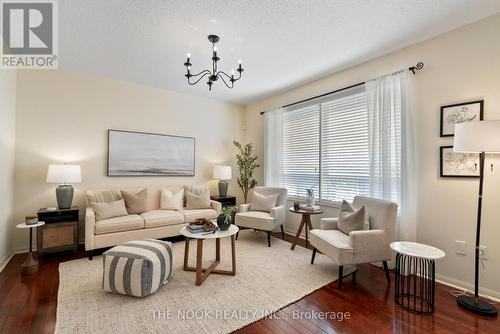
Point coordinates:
[[155, 223]]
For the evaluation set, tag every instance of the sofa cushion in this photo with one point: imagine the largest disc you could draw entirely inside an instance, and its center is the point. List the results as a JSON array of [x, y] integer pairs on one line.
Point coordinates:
[[170, 200], [109, 209], [119, 224], [255, 219], [157, 218], [136, 202], [198, 201], [102, 196], [192, 215], [335, 244]]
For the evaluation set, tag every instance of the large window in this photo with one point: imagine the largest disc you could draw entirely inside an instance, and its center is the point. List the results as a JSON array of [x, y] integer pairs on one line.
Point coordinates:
[[326, 146]]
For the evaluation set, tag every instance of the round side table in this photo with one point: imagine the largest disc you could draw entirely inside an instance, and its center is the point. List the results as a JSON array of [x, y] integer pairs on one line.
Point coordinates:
[[30, 266], [415, 275], [305, 221]]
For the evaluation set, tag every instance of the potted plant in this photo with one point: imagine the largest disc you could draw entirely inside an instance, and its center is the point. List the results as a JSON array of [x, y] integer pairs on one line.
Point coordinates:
[[225, 219], [310, 196], [247, 162]]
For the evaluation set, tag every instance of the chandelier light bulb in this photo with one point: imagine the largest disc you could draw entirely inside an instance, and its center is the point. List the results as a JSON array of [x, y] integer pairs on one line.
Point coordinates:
[[232, 72], [239, 61], [188, 55], [215, 49]]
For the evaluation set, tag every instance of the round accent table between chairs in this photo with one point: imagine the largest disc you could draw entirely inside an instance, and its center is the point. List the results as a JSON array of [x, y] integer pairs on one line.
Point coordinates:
[[415, 275]]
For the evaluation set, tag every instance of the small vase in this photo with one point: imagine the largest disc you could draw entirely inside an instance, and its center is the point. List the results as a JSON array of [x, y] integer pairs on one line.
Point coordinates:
[[223, 222], [310, 200]]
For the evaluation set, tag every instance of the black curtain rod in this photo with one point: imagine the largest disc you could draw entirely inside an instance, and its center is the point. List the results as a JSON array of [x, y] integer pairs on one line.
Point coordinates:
[[414, 68]]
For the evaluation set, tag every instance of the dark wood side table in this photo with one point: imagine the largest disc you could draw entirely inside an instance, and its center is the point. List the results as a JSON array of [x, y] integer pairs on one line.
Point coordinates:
[[306, 220], [60, 231], [225, 200]]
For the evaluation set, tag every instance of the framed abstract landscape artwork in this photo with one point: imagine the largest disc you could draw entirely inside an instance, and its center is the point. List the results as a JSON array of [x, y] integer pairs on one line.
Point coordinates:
[[147, 154], [459, 113], [455, 164]]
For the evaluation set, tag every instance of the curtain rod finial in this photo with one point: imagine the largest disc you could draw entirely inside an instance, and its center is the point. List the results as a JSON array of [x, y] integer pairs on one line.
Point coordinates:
[[417, 67]]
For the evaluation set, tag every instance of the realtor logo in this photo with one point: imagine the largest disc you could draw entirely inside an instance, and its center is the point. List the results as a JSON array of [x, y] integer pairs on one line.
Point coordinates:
[[29, 34]]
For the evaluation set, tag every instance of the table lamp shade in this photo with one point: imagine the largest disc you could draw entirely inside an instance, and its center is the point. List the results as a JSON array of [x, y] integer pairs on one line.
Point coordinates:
[[64, 174], [222, 173], [476, 137]]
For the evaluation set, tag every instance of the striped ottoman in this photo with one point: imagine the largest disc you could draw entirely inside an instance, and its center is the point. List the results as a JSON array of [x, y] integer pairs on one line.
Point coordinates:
[[137, 268]]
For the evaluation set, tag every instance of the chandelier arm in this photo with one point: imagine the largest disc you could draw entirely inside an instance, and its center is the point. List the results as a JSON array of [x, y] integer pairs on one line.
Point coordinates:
[[224, 81], [202, 72], [206, 72]]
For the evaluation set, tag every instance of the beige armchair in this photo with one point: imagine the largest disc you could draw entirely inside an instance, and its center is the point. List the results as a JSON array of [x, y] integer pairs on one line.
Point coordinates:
[[264, 221], [365, 246]]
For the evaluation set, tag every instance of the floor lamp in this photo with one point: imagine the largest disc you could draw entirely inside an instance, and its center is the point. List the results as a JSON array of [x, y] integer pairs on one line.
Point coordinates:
[[477, 137]]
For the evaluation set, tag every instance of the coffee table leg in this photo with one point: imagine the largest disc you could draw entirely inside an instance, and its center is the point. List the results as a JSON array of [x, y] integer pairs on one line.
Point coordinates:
[[308, 227], [217, 249], [233, 255], [199, 260], [186, 254], [299, 231]]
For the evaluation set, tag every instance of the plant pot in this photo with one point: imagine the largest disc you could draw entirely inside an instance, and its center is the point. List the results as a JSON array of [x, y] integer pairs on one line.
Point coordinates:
[[223, 222], [310, 200]]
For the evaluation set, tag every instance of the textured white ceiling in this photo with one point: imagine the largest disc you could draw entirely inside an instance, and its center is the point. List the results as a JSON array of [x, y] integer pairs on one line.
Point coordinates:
[[282, 43]]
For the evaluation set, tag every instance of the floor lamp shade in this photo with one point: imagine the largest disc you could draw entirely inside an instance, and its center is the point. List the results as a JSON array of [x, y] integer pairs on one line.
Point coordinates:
[[222, 173], [477, 137], [64, 175]]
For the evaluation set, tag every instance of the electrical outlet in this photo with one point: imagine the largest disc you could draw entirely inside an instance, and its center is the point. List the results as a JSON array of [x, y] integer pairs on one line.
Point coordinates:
[[460, 247], [483, 254]]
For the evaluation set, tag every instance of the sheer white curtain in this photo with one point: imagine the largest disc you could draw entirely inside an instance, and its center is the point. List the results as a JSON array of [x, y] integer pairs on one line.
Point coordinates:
[[391, 150], [273, 148]]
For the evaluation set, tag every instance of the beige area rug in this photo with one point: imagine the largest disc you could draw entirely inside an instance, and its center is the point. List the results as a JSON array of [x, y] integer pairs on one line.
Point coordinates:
[[267, 279]]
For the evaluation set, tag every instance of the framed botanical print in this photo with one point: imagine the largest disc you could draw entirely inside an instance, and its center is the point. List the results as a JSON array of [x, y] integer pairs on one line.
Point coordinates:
[[459, 113], [455, 164]]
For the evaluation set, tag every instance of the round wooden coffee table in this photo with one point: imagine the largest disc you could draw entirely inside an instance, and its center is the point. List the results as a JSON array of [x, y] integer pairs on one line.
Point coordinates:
[[202, 273], [306, 220]]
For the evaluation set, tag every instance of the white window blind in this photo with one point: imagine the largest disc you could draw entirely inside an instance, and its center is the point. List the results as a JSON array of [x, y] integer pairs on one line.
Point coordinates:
[[326, 146], [301, 149], [345, 164]]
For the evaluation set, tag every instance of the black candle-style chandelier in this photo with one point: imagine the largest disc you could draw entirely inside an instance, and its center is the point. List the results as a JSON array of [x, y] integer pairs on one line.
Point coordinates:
[[215, 73]]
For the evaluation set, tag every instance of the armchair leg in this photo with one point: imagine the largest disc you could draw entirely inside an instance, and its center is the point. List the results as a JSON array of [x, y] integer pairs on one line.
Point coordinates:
[[268, 238], [387, 275], [282, 232], [91, 255], [237, 233], [341, 273], [313, 255]]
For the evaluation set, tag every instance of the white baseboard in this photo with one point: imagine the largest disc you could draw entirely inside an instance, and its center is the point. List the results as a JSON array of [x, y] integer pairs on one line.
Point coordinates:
[[5, 261], [457, 284]]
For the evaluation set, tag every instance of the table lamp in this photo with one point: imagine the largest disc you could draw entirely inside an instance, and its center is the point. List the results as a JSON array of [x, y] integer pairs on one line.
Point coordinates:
[[64, 175], [477, 137], [222, 173]]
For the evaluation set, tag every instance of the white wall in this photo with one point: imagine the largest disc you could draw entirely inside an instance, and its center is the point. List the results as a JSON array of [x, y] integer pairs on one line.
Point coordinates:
[[460, 65], [7, 151], [64, 117]]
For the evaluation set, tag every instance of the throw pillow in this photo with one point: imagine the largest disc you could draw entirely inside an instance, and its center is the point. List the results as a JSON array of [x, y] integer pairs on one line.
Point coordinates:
[[351, 219], [171, 201], [262, 202], [201, 201], [135, 202], [109, 209], [197, 190]]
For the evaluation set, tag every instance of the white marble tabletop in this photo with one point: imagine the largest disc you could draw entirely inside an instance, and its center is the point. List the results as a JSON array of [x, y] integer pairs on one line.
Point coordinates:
[[24, 225], [416, 249], [233, 229]]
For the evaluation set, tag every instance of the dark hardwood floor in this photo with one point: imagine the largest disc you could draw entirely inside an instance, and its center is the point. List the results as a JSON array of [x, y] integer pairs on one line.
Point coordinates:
[[28, 305]]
